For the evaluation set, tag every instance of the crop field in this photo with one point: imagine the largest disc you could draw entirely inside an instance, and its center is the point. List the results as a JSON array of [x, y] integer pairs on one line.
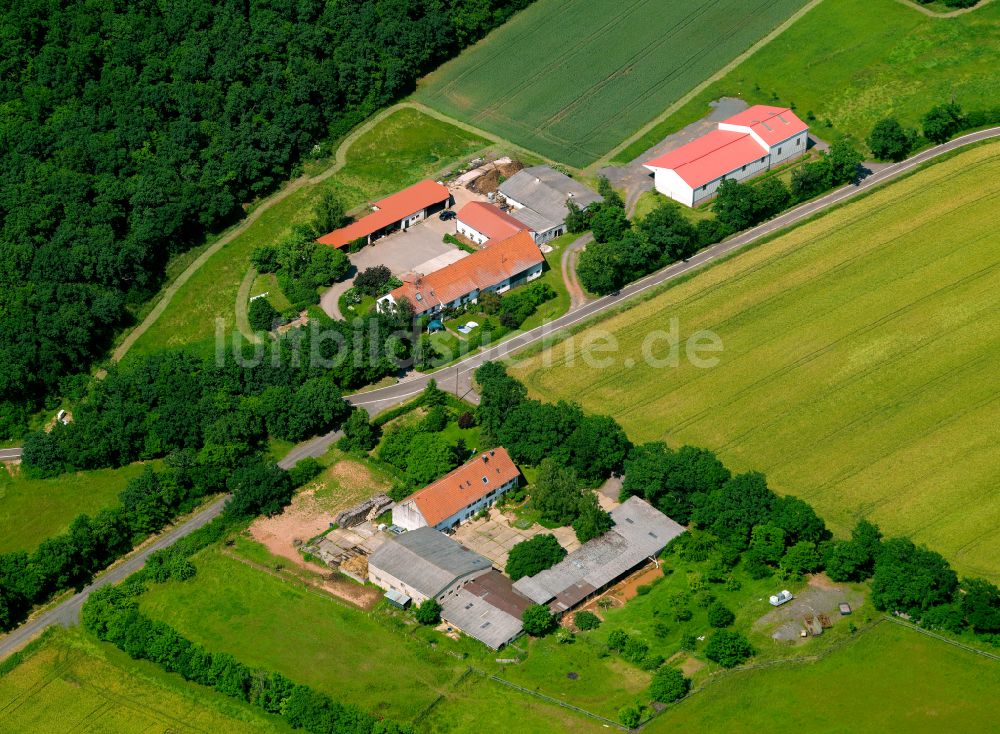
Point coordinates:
[[889, 679], [32, 510], [71, 684], [572, 78], [858, 368], [396, 152], [852, 62]]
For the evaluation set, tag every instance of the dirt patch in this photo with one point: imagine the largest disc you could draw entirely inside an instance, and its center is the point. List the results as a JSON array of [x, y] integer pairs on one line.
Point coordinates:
[[313, 509], [490, 181], [628, 589], [821, 596], [688, 665]]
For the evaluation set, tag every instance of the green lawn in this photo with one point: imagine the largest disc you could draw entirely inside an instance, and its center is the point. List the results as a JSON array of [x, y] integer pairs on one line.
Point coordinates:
[[32, 510], [858, 368], [396, 152], [571, 78], [852, 62], [368, 658], [72, 684], [889, 679], [307, 635], [268, 283]]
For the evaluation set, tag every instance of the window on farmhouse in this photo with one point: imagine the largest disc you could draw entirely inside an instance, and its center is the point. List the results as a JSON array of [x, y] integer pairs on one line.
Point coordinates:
[[779, 151]]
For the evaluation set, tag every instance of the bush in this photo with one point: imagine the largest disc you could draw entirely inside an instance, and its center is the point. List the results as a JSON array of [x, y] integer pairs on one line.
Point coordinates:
[[586, 621], [889, 141], [533, 556], [538, 620], [617, 640], [304, 471], [720, 615], [372, 280], [360, 434], [466, 420], [262, 315], [668, 685], [728, 648], [630, 716], [429, 612], [942, 121], [264, 259]]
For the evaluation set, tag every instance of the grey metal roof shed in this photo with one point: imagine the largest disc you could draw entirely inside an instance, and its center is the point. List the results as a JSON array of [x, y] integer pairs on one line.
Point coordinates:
[[427, 560]]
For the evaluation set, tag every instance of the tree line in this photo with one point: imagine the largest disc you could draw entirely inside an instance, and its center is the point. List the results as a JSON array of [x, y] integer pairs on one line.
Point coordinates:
[[112, 614], [131, 130]]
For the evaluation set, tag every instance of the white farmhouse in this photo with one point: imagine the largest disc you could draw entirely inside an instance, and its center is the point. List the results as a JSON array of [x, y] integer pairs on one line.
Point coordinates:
[[457, 496], [753, 141]]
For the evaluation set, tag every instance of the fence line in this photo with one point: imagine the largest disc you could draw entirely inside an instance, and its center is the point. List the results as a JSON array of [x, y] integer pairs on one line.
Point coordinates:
[[936, 636]]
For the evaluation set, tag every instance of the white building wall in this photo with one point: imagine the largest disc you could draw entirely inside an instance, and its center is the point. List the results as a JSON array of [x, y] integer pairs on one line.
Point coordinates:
[[668, 183], [467, 231], [707, 191], [406, 515], [789, 149], [550, 234], [413, 218], [385, 580]]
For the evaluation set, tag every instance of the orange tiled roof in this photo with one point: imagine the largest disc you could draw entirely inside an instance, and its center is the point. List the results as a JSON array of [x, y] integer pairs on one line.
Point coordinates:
[[483, 269], [465, 485], [489, 220], [390, 209]]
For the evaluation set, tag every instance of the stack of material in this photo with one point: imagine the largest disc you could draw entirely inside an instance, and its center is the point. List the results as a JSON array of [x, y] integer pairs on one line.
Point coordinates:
[[491, 179], [363, 511], [356, 568]]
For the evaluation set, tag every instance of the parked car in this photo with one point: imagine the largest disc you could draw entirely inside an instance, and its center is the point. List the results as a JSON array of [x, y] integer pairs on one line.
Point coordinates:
[[446, 215]]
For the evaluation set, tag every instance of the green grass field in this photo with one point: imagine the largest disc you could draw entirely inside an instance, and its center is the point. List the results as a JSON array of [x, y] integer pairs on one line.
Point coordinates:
[[72, 684], [572, 78], [889, 679], [859, 362], [32, 510], [396, 152], [305, 634], [853, 62], [380, 664]]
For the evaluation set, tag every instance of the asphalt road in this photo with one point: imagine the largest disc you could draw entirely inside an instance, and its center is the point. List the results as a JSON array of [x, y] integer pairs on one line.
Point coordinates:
[[457, 378], [67, 613], [10, 454]]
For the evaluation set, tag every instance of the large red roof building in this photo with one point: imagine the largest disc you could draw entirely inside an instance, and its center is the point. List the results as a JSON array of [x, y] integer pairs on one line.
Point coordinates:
[[500, 266], [459, 495], [753, 141], [399, 211], [483, 223]]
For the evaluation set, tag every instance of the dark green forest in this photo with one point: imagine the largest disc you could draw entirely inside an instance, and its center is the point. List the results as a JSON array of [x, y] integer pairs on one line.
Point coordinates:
[[130, 129]]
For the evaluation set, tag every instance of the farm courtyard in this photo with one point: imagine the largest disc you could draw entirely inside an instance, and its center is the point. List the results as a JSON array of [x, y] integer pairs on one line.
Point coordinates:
[[859, 363], [571, 80]]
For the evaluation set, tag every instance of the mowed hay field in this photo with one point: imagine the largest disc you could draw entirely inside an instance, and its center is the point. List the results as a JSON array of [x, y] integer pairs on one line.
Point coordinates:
[[859, 368], [71, 684], [853, 62], [572, 78], [889, 679]]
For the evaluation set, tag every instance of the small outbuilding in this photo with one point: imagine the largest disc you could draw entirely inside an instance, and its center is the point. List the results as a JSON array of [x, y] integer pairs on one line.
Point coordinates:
[[539, 196]]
